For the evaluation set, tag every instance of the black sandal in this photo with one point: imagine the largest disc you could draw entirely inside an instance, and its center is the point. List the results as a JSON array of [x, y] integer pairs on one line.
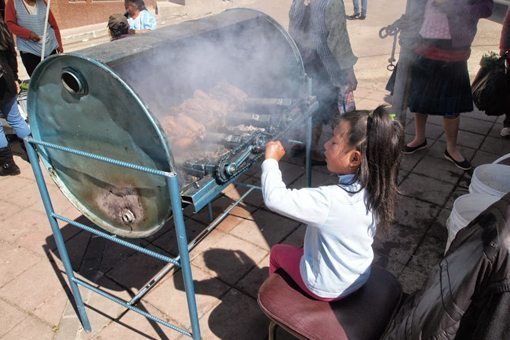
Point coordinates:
[[407, 150], [464, 165]]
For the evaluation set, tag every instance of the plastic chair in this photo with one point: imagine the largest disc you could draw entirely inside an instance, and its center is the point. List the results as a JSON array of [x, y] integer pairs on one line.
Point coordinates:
[[361, 315]]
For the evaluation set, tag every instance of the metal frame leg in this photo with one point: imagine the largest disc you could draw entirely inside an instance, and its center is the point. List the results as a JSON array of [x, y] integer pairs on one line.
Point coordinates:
[[182, 244], [308, 159], [210, 211], [308, 145], [64, 256]]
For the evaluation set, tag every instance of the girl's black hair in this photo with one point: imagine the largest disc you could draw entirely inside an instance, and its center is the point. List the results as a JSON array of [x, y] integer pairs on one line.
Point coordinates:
[[379, 138], [138, 3]]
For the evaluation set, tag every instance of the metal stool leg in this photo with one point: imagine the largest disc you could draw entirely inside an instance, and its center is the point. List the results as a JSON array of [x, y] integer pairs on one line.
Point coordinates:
[[272, 330]]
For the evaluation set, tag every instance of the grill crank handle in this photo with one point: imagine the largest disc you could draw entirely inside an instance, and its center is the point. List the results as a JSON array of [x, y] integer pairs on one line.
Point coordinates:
[[260, 148]]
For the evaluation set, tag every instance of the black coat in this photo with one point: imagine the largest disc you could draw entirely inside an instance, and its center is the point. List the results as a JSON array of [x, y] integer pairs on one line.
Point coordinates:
[[467, 296], [8, 75]]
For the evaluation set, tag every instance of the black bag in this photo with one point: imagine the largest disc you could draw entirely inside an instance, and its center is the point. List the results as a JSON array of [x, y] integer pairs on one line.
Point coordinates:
[[491, 87]]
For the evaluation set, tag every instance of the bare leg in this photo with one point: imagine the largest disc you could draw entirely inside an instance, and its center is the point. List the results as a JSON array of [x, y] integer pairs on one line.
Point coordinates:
[[420, 122], [451, 130], [316, 136]]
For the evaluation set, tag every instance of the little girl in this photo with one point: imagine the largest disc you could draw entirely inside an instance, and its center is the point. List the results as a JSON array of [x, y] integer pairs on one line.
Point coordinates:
[[341, 219]]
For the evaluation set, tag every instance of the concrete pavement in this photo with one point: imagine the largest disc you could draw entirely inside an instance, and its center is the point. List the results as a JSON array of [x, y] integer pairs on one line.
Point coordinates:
[[231, 263]]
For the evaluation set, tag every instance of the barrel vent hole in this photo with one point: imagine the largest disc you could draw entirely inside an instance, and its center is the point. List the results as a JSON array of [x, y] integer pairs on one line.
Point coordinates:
[[72, 82]]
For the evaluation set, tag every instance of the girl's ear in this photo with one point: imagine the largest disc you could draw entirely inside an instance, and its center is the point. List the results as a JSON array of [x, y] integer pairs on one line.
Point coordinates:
[[355, 159]]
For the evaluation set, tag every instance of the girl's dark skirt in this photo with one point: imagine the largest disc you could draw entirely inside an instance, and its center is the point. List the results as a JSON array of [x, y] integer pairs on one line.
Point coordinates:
[[440, 87]]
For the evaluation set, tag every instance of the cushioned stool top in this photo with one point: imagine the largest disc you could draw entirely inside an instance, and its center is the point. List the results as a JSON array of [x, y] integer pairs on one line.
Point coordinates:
[[361, 315]]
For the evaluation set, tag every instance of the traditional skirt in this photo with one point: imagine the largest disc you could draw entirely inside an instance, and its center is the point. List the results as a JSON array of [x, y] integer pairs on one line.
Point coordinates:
[[440, 87]]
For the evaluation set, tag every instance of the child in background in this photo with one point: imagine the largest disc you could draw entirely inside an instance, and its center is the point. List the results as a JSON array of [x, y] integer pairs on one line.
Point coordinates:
[[118, 26], [341, 219]]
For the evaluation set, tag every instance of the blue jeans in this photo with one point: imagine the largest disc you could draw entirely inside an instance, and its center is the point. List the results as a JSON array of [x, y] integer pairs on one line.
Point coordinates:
[[10, 111], [363, 7]]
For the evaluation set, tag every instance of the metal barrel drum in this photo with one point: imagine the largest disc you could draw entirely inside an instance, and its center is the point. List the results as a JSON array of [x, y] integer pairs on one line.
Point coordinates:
[[198, 99]]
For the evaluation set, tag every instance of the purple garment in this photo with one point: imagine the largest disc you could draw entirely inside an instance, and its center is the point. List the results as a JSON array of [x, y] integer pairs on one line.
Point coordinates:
[[463, 16]]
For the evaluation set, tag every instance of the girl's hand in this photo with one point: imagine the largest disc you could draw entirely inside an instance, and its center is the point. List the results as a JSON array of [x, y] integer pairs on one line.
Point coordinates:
[[274, 150]]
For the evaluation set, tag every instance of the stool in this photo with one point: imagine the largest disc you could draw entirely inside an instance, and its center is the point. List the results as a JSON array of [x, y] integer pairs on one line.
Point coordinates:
[[362, 315]]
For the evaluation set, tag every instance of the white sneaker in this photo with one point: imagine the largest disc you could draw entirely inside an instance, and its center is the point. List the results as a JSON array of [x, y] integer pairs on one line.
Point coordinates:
[[505, 132]]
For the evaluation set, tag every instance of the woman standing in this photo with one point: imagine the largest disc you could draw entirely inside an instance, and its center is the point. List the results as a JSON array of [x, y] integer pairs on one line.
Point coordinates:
[[139, 18], [26, 20], [440, 82], [320, 31], [9, 88]]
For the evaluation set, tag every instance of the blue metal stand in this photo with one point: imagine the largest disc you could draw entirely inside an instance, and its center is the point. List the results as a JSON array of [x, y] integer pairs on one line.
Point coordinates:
[[182, 261]]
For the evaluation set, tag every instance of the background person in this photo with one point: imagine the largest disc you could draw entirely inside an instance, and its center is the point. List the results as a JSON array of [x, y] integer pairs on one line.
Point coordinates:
[[320, 31], [341, 219], [118, 26], [440, 82], [139, 18], [26, 20], [9, 88], [359, 14]]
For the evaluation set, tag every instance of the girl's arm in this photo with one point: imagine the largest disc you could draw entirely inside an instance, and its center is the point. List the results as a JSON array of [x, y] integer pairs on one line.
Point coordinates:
[[310, 206]]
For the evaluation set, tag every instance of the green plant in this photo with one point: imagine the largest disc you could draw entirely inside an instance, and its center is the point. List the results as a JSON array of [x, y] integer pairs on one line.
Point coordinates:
[[24, 85]]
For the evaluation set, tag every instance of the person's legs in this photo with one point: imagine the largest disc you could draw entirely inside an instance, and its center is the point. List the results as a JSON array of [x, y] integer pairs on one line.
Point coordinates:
[[3, 140], [355, 4], [420, 122], [364, 8], [30, 61], [505, 131], [287, 258], [317, 154], [357, 12], [7, 165], [14, 119], [451, 130]]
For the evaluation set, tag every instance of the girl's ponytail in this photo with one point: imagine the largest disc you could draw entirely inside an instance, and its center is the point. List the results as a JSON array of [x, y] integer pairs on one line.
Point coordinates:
[[380, 139]]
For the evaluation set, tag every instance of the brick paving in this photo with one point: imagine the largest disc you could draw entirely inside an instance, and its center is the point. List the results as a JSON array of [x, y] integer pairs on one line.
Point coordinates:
[[232, 262]]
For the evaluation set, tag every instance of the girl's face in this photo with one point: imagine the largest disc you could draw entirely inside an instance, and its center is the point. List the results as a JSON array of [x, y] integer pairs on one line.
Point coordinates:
[[340, 157]]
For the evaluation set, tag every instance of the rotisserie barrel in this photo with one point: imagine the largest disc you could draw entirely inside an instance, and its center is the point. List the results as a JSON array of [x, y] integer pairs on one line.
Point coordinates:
[[197, 99]]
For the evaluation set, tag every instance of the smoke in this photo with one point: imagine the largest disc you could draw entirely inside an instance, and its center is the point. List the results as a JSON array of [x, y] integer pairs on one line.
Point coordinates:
[[241, 48]]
